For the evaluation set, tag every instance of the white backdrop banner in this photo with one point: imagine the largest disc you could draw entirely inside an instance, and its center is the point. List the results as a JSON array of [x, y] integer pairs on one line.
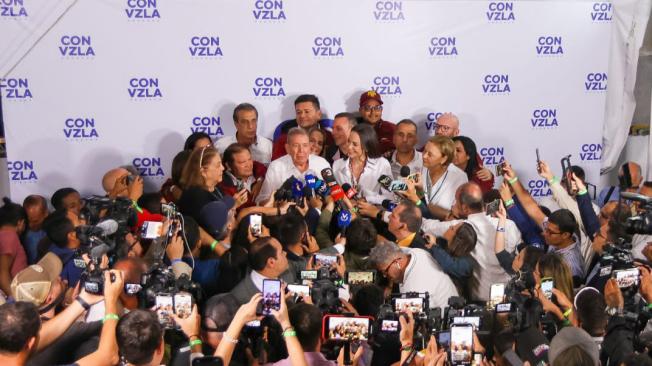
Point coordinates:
[[118, 82]]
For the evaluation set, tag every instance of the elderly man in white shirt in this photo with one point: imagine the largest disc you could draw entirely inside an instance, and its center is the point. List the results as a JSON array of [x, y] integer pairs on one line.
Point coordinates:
[[487, 270], [298, 162], [245, 119], [414, 270]]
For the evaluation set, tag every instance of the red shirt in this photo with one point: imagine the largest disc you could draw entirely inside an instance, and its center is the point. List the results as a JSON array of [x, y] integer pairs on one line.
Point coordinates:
[[229, 187], [10, 245]]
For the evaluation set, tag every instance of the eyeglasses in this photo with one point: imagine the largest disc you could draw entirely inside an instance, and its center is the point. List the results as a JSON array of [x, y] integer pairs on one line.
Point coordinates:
[[374, 108], [442, 127], [547, 229], [384, 272]]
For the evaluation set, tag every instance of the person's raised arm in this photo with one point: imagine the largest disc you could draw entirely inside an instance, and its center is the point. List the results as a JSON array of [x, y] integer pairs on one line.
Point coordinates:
[[107, 351], [529, 204], [245, 313], [295, 352]]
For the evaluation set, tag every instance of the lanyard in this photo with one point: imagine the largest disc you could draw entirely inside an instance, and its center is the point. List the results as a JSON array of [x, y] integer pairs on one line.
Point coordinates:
[[353, 180], [428, 186]]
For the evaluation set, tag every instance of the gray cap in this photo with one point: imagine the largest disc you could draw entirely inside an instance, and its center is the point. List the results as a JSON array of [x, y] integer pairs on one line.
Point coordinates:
[[573, 336]]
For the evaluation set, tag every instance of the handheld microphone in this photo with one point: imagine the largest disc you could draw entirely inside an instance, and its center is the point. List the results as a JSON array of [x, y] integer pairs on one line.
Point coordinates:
[[297, 189], [336, 191], [307, 192], [385, 182], [389, 205], [108, 226], [321, 188], [343, 220], [405, 171], [351, 193]]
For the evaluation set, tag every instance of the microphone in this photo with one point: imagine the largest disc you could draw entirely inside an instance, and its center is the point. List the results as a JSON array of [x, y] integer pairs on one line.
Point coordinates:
[[351, 193], [405, 171], [297, 189], [109, 226], [343, 220], [307, 192], [98, 248], [336, 191], [311, 180], [385, 181], [389, 205], [321, 188]]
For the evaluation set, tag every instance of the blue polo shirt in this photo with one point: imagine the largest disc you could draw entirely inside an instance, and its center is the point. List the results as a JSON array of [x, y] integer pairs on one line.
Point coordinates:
[[69, 272]]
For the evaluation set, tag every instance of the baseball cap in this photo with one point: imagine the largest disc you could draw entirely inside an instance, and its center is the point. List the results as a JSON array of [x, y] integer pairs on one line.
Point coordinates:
[[214, 215], [573, 336], [33, 283], [369, 95], [532, 346]]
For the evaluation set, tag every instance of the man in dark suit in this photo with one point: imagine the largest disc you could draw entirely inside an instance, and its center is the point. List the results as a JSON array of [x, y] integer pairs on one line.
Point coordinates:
[[267, 260], [405, 223]]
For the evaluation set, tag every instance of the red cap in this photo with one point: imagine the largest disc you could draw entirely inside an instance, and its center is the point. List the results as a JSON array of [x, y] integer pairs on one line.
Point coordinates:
[[369, 95]]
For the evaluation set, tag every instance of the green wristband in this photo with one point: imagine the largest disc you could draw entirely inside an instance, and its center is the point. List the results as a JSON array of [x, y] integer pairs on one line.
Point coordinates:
[[135, 204], [419, 203], [553, 180], [196, 342], [509, 202], [213, 245], [289, 333], [582, 192], [110, 317], [513, 180]]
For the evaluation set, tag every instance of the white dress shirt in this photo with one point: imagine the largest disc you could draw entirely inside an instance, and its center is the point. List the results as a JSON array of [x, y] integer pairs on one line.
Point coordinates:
[[423, 274], [487, 269], [415, 165], [442, 192], [261, 150], [283, 168], [368, 186]]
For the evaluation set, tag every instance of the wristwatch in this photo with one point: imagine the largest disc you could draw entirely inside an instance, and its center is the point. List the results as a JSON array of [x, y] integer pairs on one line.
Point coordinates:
[[500, 229], [612, 311]]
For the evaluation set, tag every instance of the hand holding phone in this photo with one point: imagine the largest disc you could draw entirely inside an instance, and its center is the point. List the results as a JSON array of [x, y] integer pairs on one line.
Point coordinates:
[[547, 284], [271, 296]]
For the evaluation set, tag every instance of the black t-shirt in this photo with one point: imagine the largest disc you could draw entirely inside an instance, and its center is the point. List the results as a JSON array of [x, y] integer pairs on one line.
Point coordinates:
[[194, 198]]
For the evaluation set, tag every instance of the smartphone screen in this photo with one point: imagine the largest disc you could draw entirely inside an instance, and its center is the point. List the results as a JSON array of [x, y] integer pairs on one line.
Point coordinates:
[[253, 324], [389, 326], [271, 296], [444, 339], [308, 275], [182, 305], [503, 308], [207, 361], [164, 309], [301, 290], [547, 284], [325, 260], [461, 348], [411, 304], [626, 277], [497, 293], [348, 328], [360, 277], [151, 229], [493, 207], [256, 225], [473, 320]]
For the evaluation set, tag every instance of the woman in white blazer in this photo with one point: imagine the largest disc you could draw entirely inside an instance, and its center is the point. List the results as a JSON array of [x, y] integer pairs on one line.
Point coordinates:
[[364, 165]]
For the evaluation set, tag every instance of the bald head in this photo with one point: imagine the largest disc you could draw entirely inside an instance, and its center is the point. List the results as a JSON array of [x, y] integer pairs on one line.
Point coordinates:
[[111, 177], [468, 199], [448, 125], [634, 173]]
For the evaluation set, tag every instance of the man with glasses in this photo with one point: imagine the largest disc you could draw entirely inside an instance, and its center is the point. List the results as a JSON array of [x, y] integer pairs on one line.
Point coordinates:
[[414, 270], [245, 119], [371, 111]]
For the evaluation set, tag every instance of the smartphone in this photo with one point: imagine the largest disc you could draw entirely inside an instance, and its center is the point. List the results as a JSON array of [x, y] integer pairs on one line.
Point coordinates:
[[410, 304], [132, 288], [444, 339], [168, 209], [182, 304], [538, 161], [151, 229], [389, 326], [500, 169], [360, 277], [461, 346], [626, 277], [398, 186], [207, 361], [256, 225], [493, 207], [271, 296], [253, 324], [164, 309], [567, 172], [473, 320], [547, 284], [346, 328], [325, 260], [504, 308], [301, 290], [308, 275], [497, 293]]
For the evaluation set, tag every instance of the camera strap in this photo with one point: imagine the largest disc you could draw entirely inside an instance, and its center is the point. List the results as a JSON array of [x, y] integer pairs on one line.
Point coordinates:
[[410, 357]]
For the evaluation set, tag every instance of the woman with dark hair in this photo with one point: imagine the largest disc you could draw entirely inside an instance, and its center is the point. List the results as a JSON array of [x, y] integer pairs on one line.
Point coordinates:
[[241, 172], [466, 159], [197, 140], [171, 189], [364, 165], [318, 140]]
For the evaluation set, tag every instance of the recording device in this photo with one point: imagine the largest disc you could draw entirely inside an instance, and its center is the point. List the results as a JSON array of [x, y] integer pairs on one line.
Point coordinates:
[[343, 220], [151, 229], [642, 223], [325, 260], [169, 210], [207, 361], [503, 308], [346, 328], [256, 225], [300, 290], [493, 207], [538, 161], [473, 320], [389, 205], [444, 339], [626, 277], [567, 172], [309, 275], [360, 278], [385, 181], [397, 186], [389, 326], [496, 294], [271, 296], [168, 304], [160, 280], [500, 169], [415, 305], [547, 284], [461, 344], [405, 173]]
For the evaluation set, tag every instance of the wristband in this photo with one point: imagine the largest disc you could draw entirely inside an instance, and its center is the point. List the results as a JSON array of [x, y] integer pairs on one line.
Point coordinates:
[[172, 262], [196, 342], [289, 333], [83, 303], [567, 323], [649, 306], [509, 202], [582, 192], [419, 203], [110, 317], [214, 244], [406, 348], [568, 312], [229, 339], [135, 204], [553, 180], [355, 209], [500, 229], [513, 180]]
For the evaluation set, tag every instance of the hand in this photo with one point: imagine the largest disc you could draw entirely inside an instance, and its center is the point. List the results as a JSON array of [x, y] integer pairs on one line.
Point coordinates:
[[484, 174], [647, 251], [340, 265], [646, 284], [548, 305], [434, 356], [411, 192], [505, 191], [562, 300], [612, 294], [316, 202], [312, 245], [430, 240], [303, 210], [113, 289], [247, 312], [285, 206], [241, 197], [174, 249], [281, 315], [508, 171], [355, 358], [367, 209], [406, 336], [104, 262], [579, 185], [270, 201], [348, 307], [190, 325], [501, 214], [340, 239], [135, 188], [545, 171]]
